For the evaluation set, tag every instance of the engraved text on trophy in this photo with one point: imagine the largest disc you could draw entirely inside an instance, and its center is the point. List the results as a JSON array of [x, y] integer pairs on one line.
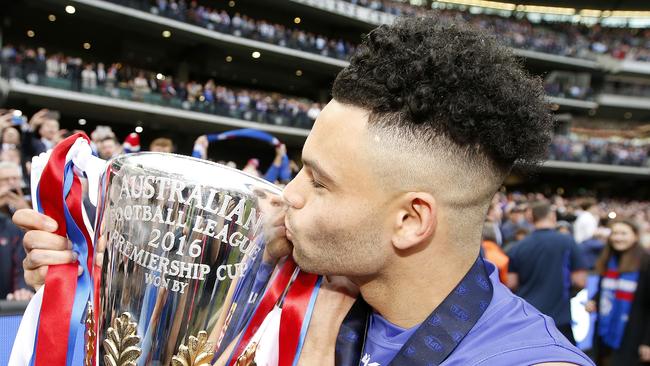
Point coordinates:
[[171, 257]]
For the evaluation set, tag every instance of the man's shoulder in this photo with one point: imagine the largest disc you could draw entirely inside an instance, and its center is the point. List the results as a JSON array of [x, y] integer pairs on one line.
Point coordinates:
[[558, 240], [523, 246], [511, 331]]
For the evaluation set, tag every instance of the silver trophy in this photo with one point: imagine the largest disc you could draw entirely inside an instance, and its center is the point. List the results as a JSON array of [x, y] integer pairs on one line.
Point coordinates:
[[179, 259]]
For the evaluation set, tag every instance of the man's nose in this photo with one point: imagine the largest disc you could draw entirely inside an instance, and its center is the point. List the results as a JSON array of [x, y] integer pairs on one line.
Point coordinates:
[[291, 194]]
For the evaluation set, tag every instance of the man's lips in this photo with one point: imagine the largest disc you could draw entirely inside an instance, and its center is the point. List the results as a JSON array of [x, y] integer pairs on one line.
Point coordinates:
[[288, 234], [287, 229]]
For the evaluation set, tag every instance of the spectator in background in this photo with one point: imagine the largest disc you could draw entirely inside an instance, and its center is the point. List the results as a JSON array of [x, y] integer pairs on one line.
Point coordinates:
[[494, 217], [41, 134], [516, 219], [89, 78], [30, 70], [41, 65], [622, 335], [252, 167], [11, 155], [587, 221], [493, 252], [140, 86], [544, 266], [74, 70], [10, 138], [592, 248], [108, 147], [162, 144], [53, 66], [167, 89], [101, 75], [12, 283], [8, 62]]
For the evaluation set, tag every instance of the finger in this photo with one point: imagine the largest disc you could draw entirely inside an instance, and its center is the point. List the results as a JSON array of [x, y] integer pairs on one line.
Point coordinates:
[[43, 257], [99, 259], [10, 297], [36, 278], [37, 239], [277, 232], [29, 219]]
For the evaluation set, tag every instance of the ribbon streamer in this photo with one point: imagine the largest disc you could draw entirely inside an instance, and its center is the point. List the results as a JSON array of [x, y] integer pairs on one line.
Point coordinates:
[[58, 193], [296, 312]]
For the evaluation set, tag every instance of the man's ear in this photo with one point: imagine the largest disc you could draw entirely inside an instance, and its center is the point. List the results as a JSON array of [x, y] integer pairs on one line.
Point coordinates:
[[415, 220]]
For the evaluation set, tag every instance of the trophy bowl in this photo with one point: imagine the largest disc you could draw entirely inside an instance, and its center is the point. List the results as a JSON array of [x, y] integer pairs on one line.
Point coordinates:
[[179, 266]]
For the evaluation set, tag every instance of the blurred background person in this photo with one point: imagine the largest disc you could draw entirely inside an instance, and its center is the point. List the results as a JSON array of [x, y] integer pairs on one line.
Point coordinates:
[[12, 283], [545, 266], [162, 144], [493, 252], [622, 303], [587, 221]]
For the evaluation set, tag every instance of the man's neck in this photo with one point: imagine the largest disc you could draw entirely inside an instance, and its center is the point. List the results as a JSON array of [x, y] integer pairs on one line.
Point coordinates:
[[544, 225], [410, 289]]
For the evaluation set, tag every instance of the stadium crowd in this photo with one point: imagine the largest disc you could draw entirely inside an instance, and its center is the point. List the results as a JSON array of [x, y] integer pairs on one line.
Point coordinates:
[[241, 25], [597, 150], [634, 90], [558, 38], [123, 81]]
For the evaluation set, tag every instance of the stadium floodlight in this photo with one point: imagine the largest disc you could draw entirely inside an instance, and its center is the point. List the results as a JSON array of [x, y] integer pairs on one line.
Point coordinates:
[[166, 34], [82, 122], [51, 17], [297, 20], [139, 129], [86, 46], [630, 14], [256, 54], [70, 9], [612, 215], [228, 58], [31, 33], [590, 13], [298, 72], [549, 10]]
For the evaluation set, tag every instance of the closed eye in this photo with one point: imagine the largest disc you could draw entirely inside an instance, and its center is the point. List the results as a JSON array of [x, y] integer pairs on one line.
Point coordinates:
[[316, 184]]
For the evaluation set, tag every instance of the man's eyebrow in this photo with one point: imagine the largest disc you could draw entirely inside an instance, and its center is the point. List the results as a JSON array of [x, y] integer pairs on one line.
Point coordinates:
[[313, 165]]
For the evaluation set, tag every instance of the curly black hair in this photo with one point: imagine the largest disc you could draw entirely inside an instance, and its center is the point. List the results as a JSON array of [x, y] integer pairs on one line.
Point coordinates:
[[449, 79]]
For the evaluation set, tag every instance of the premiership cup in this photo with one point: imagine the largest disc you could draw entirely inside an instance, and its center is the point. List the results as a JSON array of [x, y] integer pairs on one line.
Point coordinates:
[[179, 271]]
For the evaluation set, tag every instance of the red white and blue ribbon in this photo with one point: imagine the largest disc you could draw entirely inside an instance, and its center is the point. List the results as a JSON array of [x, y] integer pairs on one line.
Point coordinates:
[[60, 308], [300, 290]]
